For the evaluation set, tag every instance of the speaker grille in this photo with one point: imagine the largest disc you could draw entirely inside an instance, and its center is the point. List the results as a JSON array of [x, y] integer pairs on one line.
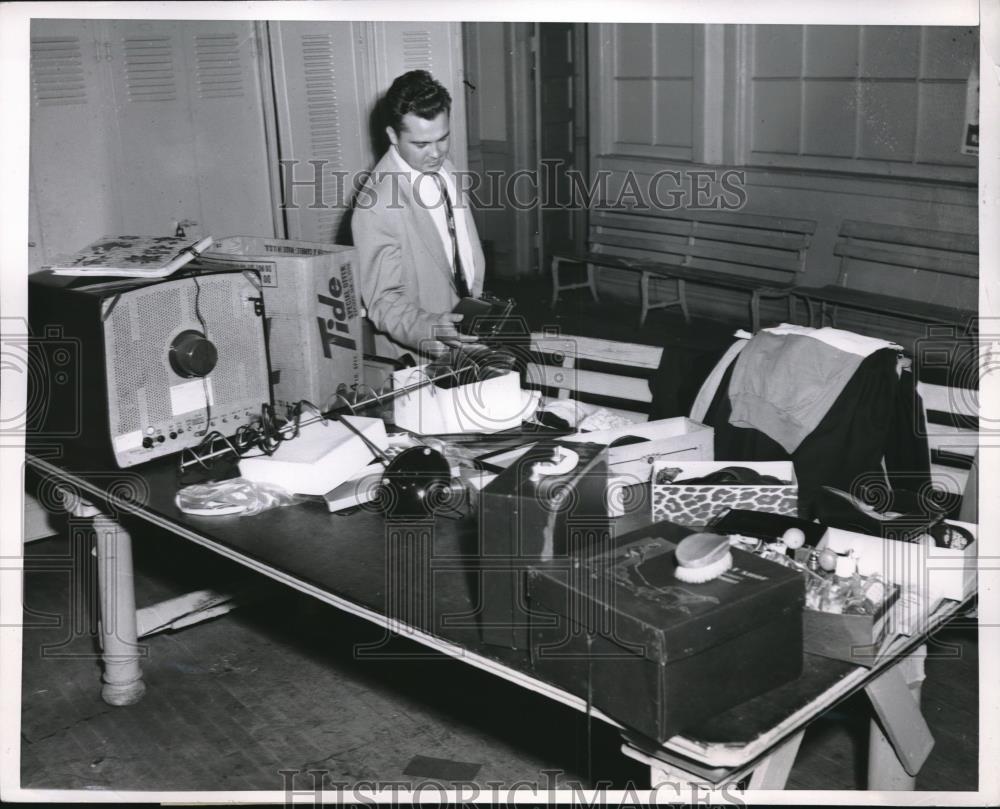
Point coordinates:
[[224, 320], [139, 329], [128, 371], [155, 312]]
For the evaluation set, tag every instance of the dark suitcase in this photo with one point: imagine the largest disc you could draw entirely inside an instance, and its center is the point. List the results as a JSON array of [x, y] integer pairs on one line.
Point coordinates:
[[654, 653], [524, 520]]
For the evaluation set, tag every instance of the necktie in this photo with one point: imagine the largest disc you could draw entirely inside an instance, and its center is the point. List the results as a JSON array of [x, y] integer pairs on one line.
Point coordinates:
[[461, 287]]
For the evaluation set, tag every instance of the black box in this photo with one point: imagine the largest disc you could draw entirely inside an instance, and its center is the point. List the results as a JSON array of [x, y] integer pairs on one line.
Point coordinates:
[[654, 653], [525, 520]]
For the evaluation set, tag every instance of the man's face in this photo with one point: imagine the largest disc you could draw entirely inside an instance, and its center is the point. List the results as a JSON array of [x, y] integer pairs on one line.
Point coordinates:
[[422, 144]]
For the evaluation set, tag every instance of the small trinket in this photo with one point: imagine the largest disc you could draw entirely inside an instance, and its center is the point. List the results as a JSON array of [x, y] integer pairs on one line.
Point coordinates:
[[813, 561]]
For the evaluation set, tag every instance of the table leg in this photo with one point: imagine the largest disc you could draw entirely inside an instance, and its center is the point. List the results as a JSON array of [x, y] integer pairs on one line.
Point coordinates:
[[773, 771], [770, 773], [122, 677], [899, 741]]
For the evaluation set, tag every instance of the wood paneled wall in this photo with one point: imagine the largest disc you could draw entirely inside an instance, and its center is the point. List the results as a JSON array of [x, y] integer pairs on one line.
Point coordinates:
[[824, 122]]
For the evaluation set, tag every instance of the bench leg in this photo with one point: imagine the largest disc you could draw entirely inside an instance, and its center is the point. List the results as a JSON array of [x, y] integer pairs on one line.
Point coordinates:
[[643, 297], [754, 311], [682, 299], [555, 282], [792, 308], [811, 314], [557, 287], [592, 282]]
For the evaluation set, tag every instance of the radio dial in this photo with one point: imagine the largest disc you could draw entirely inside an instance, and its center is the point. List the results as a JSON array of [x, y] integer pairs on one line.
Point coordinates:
[[192, 354]]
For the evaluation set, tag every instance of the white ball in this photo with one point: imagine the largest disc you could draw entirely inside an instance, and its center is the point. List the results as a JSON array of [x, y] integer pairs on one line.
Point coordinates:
[[794, 538]]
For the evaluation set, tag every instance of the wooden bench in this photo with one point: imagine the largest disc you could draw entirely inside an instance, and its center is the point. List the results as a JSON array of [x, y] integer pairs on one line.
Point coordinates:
[[912, 253], [952, 423], [761, 255], [567, 366]]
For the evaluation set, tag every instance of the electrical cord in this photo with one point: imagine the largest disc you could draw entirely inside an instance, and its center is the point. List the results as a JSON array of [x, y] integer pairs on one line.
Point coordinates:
[[204, 332], [265, 434]]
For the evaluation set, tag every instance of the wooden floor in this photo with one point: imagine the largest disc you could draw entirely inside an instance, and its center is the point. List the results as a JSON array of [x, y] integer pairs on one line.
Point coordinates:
[[275, 686]]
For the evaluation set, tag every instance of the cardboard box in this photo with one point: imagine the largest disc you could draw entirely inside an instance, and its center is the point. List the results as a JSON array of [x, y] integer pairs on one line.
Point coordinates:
[[313, 309], [525, 519], [676, 438], [658, 655], [698, 505], [934, 573], [494, 404], [851, 638]]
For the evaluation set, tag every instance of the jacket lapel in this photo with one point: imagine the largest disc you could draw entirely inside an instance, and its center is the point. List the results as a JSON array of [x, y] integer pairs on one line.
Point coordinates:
[[420, 217]]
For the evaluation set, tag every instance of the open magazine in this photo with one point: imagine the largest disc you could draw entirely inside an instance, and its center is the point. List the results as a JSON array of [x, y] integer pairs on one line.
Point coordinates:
[[131, 256]]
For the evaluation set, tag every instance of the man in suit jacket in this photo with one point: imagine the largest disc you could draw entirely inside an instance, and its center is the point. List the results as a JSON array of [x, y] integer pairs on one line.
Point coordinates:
[[418, 250]]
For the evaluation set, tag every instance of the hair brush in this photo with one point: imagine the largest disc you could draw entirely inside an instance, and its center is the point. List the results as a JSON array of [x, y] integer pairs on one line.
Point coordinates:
[[702, 557]]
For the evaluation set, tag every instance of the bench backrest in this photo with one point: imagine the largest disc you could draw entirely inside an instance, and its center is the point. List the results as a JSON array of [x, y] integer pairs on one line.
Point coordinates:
[[570, 367], [768, 248], [952, 421], [941, 253]]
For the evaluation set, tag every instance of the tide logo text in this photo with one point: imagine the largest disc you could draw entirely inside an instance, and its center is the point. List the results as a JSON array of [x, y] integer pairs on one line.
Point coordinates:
[[333, 330]]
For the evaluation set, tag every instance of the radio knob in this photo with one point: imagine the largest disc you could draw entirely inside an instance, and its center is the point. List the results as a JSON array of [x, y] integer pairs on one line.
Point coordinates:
[[192, 354], [147, 442]]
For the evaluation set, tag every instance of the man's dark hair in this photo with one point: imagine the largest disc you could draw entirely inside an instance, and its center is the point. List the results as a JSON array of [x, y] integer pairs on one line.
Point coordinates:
[[417, 92]]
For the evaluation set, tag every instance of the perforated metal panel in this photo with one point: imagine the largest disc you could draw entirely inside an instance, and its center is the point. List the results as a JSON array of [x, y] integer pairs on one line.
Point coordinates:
[[57, 73], [149, 68], [220, 74], [319, 64], [418, 53], [147, 398]]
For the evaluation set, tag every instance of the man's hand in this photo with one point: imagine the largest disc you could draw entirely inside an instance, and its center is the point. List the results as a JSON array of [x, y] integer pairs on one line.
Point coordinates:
[[444, 333]]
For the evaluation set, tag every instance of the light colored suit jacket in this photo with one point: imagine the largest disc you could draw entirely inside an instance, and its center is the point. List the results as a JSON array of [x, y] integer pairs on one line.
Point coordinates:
[[406, 276]]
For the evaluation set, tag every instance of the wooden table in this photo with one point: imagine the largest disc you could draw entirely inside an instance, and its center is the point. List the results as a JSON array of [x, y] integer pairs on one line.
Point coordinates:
[[418, 579]]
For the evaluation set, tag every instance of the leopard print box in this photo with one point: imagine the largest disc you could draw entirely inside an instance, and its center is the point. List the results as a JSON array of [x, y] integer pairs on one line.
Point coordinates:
[[699, 505]]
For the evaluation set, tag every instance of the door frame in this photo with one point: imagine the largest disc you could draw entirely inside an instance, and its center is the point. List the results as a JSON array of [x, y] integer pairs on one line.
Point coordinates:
[[581, 134]]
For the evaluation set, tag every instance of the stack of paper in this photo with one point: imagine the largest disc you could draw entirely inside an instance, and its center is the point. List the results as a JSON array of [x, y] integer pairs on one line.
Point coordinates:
[[321, 457]]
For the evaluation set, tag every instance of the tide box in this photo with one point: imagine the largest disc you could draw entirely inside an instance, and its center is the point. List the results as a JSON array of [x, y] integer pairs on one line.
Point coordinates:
[[313, 311], [657, 654], [699, 504]]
